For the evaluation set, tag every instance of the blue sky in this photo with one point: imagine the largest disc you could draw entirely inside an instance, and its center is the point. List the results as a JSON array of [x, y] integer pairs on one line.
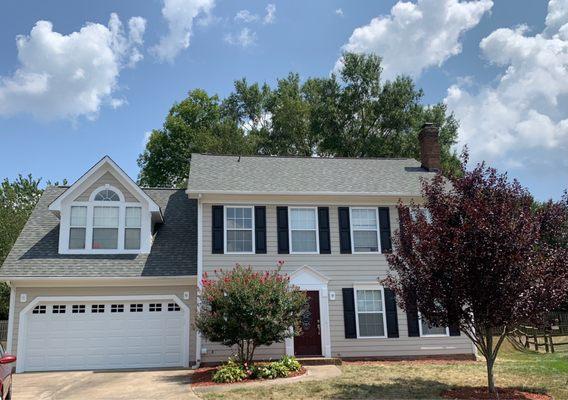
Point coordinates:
[[501, 66]]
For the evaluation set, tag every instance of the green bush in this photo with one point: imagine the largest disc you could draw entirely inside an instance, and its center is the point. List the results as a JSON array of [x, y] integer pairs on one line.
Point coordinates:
[[234, 372], [291, 363], [229, 373]]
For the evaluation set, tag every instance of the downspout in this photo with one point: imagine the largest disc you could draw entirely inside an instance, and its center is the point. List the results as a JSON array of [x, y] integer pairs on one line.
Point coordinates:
[[199, 275]]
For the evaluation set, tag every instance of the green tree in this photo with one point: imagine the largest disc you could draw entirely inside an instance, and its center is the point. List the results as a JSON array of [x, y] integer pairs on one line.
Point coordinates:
[[352, 114], [197, 124], [17, 201], [247, 309]]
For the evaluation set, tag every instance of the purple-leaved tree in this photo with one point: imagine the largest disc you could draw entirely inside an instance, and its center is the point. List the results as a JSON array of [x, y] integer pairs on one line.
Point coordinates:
[[480, 255]]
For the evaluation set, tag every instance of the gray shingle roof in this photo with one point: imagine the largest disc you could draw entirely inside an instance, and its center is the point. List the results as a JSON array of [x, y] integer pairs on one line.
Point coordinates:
[[304, 175], [174, 251]]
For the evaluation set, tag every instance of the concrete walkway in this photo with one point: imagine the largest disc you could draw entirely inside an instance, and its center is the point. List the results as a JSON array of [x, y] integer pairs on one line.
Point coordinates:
[[104, 385], [314, 373]]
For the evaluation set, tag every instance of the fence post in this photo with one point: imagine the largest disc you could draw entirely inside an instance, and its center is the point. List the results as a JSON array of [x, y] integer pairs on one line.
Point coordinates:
[[535, 341]]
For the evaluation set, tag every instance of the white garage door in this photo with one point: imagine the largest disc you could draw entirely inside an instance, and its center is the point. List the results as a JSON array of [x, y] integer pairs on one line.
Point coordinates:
[[104, 335]]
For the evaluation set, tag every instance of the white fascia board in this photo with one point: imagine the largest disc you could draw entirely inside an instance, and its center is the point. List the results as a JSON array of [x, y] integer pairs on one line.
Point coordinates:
[[196, 193], [22, 281]]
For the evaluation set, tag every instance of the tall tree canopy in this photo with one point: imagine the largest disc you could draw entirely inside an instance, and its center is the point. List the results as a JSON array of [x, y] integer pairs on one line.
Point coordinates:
[[352, 113], [17, 200], [481, 257]]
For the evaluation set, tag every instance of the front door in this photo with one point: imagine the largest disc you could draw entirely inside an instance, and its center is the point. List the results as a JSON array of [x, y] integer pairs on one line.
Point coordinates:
[[309, 341]]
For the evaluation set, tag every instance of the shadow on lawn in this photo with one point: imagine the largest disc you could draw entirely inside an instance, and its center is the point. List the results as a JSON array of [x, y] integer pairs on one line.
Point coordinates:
[[397, 389], [401, 389]]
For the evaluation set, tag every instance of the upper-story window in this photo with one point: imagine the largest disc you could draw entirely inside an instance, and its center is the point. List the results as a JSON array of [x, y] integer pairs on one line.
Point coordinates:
[[303, 225], [107, 195], [239, 229], [78, 227], [365, 230], [106, 222]]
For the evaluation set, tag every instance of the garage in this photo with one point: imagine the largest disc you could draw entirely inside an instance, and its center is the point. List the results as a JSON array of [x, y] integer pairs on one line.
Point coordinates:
[[103, 333]]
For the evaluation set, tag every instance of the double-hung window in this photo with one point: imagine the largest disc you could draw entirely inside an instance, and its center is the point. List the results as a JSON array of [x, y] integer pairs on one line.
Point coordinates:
[[78, 227], [370, 312], [239, 229], [427, 329], [365, 230], [132, 227], [105, 227], [303, 225]]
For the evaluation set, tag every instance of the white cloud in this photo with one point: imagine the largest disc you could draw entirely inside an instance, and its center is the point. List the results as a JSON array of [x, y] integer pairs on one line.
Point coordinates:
[[415, 36], [67, 76], [179, 15], [245, 38], [339, 12], [521, 121], [246, 16], [270, 16]]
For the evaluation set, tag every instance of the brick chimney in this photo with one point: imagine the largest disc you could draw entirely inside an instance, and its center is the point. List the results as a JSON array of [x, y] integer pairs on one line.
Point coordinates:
[[429, 147]]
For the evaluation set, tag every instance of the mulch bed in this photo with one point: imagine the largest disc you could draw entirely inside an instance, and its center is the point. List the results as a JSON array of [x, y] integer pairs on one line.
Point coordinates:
[[481, 393], [425, 361], [204, 377]]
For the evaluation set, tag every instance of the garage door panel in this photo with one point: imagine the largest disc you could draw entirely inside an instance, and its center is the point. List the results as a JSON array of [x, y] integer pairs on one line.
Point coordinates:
[[105, 339]]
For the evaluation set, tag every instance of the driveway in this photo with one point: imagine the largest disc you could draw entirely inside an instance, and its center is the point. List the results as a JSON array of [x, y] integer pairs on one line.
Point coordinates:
[[107, 385]]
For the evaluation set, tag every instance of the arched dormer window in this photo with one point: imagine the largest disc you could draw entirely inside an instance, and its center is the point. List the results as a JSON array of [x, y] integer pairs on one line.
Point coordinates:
[[107, 195], [105, 223]]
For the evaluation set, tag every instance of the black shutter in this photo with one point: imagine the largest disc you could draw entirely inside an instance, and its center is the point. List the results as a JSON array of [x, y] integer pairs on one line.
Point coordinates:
[[282, 222], [454, 330], [217, 246], [385, 230], [344, 230], [392, 316], [412, 319], [323, 225], [260, 229], [349, 313]]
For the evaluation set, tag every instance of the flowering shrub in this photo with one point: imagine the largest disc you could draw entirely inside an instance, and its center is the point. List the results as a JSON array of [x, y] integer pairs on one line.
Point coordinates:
[[247, 309]]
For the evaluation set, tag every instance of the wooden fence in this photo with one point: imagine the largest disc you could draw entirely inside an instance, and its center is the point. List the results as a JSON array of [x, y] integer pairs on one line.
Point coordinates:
[[551, 337]]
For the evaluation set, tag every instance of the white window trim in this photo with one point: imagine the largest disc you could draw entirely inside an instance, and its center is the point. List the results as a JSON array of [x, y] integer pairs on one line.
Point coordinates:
[[145, 225], [225, 229], [376, 209], [307, 230], [430, 335], [384, 312]]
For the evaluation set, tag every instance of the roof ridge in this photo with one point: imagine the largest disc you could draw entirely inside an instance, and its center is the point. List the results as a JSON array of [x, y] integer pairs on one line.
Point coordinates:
[[305, 157]]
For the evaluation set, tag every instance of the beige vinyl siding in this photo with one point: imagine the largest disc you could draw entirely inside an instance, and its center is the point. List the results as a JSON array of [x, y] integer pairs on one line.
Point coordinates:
[[106, 179], [343, 271], [33, 292]]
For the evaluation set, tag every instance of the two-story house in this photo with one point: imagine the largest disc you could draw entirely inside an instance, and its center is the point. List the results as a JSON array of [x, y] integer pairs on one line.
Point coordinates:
[[105, 274]]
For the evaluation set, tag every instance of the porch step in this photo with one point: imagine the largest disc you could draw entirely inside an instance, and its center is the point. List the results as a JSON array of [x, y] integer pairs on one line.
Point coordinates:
[[319, 360]]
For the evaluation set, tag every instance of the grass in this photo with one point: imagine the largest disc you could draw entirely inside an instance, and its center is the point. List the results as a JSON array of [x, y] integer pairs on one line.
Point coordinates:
[[421, 380]]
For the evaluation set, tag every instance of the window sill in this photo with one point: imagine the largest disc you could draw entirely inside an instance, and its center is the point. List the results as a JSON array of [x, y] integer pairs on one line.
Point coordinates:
[[101, 252], [372, 337], [434, 336]]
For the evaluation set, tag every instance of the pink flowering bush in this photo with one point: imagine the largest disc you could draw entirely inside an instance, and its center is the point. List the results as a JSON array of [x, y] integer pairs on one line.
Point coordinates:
[[247, 309]]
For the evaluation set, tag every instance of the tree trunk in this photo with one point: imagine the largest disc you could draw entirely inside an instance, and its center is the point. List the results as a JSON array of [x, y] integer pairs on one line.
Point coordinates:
[[490, 377]]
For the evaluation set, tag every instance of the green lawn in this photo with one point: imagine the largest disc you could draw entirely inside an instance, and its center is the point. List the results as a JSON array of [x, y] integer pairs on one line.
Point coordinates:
[[421, 380]]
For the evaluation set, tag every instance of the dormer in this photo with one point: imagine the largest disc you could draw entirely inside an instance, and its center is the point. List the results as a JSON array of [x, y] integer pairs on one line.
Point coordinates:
[[105, 212]]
